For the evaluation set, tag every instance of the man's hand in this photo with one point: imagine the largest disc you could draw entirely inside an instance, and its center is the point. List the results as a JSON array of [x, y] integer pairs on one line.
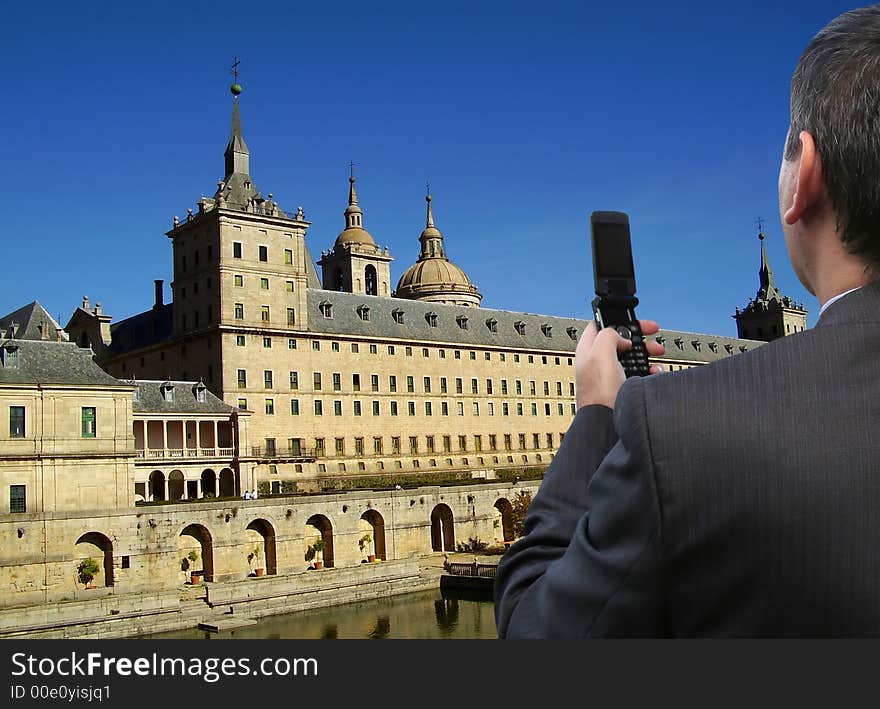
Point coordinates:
[[598, 373]]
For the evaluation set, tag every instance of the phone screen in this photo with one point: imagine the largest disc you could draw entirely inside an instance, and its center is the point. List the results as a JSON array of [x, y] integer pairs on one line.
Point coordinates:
[[612, 250]]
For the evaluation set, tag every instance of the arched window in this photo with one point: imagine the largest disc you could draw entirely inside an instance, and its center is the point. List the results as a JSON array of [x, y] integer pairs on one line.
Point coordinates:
[[371, 280]]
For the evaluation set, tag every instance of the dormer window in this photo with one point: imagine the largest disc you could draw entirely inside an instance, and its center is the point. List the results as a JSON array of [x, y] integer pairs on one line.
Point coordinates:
[[363, 312], [397, 315], [167, 391], [679, 343], [431, 319], [462, 322], [520, 327], [713, 346], [9, 356], [199, 390], [492, 324], [697, 344], [729, 348], [547, 330], [572, 332], [326, 308], [743, 348], [660, 340]]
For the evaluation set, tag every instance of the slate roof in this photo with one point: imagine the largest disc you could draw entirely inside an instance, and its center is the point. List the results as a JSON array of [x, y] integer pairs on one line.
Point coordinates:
[[50, 362], [28, 320], [141, 330], [539, 332], [148, 399]]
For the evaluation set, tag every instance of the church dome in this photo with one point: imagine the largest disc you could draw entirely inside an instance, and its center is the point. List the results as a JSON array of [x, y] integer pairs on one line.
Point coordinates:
[[355, 235], [431, 273], [354, 232]]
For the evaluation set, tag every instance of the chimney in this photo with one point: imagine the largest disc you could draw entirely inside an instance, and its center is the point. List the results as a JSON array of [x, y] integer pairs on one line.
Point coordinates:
[[58, 336], [97, 310], [85, 304], [44, 330], [159, 297]]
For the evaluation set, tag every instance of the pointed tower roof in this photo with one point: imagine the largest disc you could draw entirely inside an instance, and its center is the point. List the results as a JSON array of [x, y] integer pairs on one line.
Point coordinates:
[[767, 289], [237, 190], [354, 232], [433, 276]]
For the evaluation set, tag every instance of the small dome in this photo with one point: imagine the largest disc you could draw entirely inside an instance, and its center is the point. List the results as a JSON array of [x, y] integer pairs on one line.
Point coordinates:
[[355, 235], [431, 273]]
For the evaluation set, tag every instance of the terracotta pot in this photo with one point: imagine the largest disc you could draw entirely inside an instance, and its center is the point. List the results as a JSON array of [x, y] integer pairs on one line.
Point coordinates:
[[319, 564], [371, 558], [195, 579], [259, 572]]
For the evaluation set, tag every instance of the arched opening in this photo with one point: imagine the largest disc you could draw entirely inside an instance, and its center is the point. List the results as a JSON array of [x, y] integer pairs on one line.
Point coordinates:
[[227, 483], [370, 280], [99, 547], [196, 538], [209, 483], [338, 280], [157, 485], [373, 523], [175, 485], [504, 518], [260, 536], [442, 529], [319, 527]]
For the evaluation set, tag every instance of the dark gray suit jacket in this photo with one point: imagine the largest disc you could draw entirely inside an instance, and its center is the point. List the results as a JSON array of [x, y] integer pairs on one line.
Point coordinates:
[[737, 499]]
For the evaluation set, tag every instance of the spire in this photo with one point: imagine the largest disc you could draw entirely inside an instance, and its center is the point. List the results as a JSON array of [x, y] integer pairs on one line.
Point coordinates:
[[431, 238], [237, 155], [354, 215], [767, 286]]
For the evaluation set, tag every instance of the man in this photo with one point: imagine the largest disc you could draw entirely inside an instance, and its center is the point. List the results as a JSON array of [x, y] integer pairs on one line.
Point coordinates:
[[740, 498]]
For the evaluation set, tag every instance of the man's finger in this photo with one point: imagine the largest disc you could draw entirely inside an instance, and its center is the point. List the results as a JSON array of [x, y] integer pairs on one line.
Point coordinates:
[[609, 342], [649, 327], [655, 349]]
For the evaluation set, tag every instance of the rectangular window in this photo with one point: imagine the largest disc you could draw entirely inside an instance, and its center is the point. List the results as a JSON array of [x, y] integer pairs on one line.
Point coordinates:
[[340, 446], [319, 447], [442, 385], [288, 257], [316, 345], [242, 404], [429, 443], [536, 440], [264, 284], [459, 385], [429, 411], [507, 444], [238, 280], [413, 445], [18, 498], [475, 389], [88, 421], [394, 408], [294, 407], [291, 344], [411, 408], [491, 409], [267, 342], [489, 386], [447, 444], [505, 409], [319, 407], [291, 316], [391, 349], [395, 445], [519, 409], [356, 382], [337, 407], [427, 385], [408, 351], [239, 311], [549, 440], [392, 383], [264, 313], [518, 387], [236, 249], [493, 442], [504, 386], [359, 446], [334, 346], [424, 351], [316, 381], [270, 407], [16, 421], [522, 441], [532, 387], [288, 286], [460, 406], [337, 381], [377, 445], [294, 380], [478, 443], [242, 378], [267, 379], [476, 409], [239, 340], [264, 253], [444, 408], [375, 407], [462, 443], [357, 408], [374, 382], [374, 349], [410, 384]]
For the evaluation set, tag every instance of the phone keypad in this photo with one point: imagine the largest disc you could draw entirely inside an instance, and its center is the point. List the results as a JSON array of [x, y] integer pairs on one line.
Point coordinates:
[[635, 360]]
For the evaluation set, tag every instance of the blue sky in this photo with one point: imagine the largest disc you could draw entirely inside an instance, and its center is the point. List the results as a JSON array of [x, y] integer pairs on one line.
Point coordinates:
[[525, 117]]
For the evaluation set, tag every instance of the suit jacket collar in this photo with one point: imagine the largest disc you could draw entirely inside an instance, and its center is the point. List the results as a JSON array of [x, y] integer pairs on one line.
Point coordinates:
[[862, 305]]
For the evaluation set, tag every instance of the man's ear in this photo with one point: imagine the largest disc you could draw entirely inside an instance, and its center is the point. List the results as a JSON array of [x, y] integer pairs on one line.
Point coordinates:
[[809, 189]]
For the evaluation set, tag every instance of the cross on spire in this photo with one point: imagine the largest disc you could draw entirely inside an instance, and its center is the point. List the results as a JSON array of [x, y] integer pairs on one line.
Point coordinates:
[[760, 223], [234, 69], [350, 169]]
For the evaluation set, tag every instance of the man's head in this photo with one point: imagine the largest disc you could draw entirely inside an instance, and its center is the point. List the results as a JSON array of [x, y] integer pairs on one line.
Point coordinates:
[[835, 98]]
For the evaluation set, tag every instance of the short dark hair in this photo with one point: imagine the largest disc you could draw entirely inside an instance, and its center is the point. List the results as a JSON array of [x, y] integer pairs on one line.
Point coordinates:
[[835, 96]]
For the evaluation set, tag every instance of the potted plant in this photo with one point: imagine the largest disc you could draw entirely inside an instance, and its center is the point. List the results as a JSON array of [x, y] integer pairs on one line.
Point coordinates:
[[195, 577], [362, 542], [255, 559], [315, 551], [86, 571]]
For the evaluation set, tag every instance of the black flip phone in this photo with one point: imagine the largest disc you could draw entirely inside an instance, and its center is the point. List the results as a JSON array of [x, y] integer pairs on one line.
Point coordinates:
[[615, 302]]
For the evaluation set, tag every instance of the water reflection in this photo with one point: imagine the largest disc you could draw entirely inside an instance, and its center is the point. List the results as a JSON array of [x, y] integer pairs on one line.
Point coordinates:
[[393, 617]]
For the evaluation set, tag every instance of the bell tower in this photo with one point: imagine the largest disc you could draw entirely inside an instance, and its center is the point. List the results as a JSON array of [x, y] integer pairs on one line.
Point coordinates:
[[770, 315]]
